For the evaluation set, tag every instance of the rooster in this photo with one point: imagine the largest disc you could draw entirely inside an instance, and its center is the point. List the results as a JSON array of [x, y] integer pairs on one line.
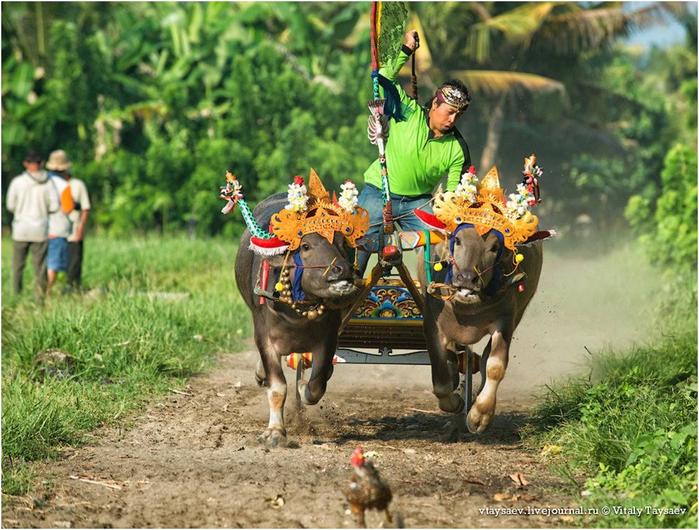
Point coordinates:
[[367, 490]]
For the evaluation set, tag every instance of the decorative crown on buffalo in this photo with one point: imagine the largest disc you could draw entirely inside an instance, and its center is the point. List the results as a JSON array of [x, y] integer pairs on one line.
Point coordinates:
[[310, 210], [484, 205]]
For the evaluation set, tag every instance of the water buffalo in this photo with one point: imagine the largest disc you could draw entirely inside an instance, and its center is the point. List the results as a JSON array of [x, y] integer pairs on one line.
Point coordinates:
[[328, 278], [482, 300]]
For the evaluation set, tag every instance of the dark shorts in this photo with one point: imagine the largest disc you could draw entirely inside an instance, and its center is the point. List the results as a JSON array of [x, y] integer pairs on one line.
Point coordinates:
[[57, 257]]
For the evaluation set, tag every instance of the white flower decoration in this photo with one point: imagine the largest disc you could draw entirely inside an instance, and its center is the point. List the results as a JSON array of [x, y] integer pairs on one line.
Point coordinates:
[[297, 196], [467, 187], [348, 196], [518, 203]]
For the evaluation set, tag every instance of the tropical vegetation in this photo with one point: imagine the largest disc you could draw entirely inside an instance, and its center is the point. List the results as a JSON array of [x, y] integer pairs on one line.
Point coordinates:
[[154, 101]]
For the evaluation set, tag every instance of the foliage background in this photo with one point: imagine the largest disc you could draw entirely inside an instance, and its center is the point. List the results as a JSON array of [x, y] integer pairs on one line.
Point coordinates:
[[154, 101]]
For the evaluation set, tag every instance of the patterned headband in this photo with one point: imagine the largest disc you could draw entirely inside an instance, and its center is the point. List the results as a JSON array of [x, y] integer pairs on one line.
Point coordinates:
[[452, 96]]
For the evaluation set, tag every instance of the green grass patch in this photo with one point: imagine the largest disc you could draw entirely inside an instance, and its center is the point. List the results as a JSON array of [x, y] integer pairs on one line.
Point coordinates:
[[631, 431], [158, 311]]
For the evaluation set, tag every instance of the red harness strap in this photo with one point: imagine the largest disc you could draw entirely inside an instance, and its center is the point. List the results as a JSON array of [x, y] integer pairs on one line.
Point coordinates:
[[265, 279]]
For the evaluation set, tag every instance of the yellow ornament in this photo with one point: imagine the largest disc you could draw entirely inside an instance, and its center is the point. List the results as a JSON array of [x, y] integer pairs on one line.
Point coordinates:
[[438, 266], [279, 287], [519, 258]]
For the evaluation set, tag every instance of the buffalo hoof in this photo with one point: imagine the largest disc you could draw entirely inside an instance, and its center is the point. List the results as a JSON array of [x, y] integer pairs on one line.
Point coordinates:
[[273, 438], [307, 398], [476, 421], [453, 403], [455, 429]]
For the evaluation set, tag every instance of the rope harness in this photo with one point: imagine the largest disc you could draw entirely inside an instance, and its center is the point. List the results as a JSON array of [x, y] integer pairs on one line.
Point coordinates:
[[291, 292], [496, 283]]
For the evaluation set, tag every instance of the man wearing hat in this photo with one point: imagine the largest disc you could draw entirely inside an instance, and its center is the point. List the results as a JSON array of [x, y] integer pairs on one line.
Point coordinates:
[[30, 198], [67, 226], [422, 147]]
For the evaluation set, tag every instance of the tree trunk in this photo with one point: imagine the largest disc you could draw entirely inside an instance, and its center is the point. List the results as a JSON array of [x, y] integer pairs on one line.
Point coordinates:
[[492, 142]]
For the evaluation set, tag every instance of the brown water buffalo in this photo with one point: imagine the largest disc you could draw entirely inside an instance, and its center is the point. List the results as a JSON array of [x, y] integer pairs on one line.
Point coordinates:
[[479, 299], [328, 278]]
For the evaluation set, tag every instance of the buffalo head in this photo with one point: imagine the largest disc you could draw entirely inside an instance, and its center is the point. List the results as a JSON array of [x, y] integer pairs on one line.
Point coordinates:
[[326, 271], [475, 263]]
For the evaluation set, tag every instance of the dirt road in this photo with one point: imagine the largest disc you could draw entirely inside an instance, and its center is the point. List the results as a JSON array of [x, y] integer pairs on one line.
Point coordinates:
[[192, 460]]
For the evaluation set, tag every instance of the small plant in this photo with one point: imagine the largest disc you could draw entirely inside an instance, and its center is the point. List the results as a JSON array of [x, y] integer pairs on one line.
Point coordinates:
[[633, 434]]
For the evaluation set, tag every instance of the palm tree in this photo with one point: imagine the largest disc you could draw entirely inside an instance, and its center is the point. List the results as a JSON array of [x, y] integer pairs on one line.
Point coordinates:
[[513, 38]]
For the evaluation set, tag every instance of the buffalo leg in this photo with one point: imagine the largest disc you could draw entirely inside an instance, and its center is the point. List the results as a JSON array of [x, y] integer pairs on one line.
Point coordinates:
[[321, 371], [275, 434], [483, 364], [445, 371], [482, 411], [260, 374]]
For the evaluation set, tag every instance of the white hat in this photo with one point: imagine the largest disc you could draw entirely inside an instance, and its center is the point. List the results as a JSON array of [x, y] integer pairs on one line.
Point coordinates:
[[58, 161]]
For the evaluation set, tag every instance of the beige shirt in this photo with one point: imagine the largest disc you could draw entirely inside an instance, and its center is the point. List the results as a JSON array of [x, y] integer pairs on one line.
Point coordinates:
[[30, 198]]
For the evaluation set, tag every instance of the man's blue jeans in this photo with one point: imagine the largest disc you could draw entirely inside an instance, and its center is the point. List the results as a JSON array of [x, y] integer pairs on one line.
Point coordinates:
[[371, 199]]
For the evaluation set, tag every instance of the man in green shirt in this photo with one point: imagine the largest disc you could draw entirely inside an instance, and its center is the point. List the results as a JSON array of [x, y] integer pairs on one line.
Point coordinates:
[[421, 149]]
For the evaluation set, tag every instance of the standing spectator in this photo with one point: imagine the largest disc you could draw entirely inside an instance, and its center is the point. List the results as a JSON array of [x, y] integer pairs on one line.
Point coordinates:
[[30, 198], [59, 222], [77, 211]]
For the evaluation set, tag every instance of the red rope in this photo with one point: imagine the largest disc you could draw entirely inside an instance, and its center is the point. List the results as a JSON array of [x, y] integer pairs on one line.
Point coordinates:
[[374, 39]]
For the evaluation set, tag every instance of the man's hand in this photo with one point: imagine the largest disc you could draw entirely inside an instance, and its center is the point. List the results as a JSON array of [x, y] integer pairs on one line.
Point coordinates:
[[412, 40]]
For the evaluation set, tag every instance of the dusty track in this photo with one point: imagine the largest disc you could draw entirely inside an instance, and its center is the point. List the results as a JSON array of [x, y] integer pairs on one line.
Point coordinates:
[[192, 460]]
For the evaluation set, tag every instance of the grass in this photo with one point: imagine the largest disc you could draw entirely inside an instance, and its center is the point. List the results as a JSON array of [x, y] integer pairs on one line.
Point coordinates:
[[126, 341], [628, 438]]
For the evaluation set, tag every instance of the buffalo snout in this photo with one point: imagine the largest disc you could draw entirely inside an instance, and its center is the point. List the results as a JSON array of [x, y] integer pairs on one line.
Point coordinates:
[[466, 280], [340, 270]]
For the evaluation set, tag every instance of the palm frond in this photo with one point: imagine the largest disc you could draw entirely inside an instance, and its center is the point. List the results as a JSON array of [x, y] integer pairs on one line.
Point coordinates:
[[517, 26], [493, 82], [585, 29]]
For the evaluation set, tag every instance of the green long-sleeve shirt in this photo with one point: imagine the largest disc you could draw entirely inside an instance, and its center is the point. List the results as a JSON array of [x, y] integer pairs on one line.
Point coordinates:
[[417, 160]]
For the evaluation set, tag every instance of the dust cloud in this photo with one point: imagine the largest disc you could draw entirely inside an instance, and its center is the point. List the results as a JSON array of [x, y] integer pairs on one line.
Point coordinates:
[[595, 303]]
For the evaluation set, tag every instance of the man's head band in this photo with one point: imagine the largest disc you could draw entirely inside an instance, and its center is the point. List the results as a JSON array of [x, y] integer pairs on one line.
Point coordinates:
[[453, 96]]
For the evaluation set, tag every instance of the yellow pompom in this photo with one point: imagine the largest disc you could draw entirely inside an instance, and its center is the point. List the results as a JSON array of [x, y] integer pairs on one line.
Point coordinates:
[[279, 287], [438, 266], [519, 258]]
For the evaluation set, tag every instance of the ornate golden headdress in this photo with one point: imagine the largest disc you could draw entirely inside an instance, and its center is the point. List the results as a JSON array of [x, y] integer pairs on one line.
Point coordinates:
[[321, 215], [305, 214], [489, 211]]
